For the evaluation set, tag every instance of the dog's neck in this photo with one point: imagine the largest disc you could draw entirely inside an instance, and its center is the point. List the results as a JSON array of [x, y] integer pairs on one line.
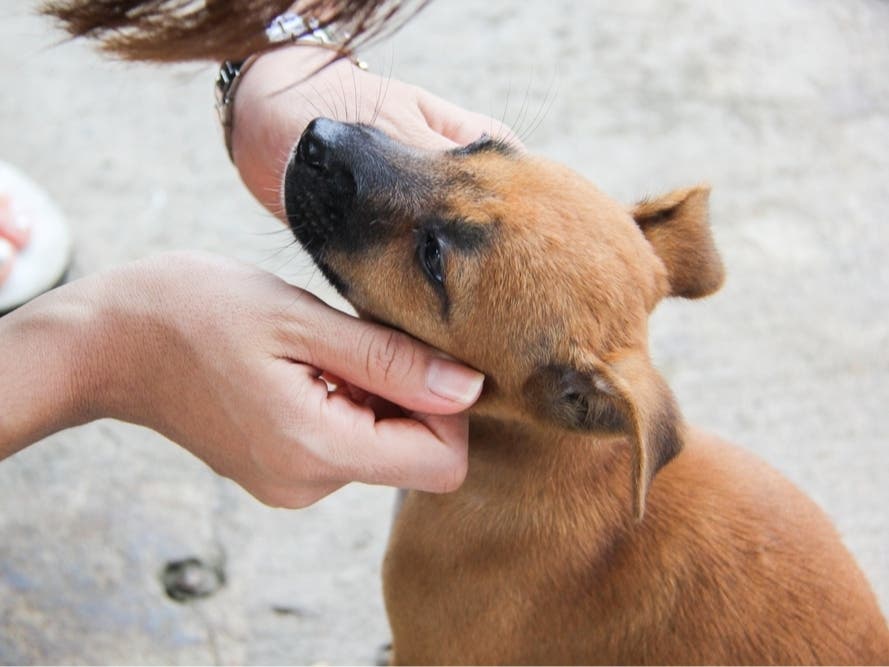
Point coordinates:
[[569, 476]]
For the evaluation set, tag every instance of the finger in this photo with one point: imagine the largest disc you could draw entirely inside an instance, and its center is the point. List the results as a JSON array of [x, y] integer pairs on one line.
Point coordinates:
[[384, 362], [423, 452]]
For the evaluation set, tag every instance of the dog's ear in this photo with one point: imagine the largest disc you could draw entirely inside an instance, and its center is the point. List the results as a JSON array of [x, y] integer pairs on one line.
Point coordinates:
[[676, 225], [626, 395]]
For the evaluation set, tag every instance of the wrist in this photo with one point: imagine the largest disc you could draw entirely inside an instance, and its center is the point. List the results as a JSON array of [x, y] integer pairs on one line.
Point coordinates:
[[136, 314], [48, 362], [276, 99]]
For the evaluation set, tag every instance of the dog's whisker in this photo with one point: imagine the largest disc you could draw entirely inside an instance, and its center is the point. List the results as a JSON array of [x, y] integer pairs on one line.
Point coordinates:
[[273, 232], [276, 254], [296, 82], [377, 102], [311, 102], [333, 100], [328, 110], [273, 190], [523, 109], [356, 94], [345, 98], [387, 79], [501, 128], [548, 100]]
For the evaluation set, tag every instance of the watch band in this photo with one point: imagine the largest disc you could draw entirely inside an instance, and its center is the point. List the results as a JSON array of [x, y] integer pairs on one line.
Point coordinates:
[[287, 29]]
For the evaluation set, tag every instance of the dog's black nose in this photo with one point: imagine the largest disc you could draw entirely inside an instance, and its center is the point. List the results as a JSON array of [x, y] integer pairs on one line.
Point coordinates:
[[311, 151], [315, 147]]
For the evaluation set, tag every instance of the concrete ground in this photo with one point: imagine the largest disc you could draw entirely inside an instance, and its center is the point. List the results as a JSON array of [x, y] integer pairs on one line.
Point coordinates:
[[782, 105]]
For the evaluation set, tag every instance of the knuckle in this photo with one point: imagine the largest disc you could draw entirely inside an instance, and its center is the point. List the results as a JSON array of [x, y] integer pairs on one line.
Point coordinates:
[[393, 356], [295, 324]]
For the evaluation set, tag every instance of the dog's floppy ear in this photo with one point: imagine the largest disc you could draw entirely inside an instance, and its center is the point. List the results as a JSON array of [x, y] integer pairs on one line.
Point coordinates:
[[626, 395], [676, 225]]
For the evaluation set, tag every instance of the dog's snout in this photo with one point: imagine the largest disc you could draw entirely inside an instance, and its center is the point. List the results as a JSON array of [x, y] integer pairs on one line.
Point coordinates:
[[318, 145], [312, 151], [345, 181]]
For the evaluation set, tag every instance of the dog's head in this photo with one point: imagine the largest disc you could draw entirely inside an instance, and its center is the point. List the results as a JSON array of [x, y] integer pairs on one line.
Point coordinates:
[[513, 264]]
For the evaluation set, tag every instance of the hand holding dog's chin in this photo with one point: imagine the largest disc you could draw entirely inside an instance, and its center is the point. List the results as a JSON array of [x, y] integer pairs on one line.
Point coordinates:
[[224, 359], [289, 87]]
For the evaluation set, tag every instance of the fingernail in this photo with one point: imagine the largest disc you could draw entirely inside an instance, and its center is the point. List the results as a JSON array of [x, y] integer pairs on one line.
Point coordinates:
[[7, 252], [453, 381]]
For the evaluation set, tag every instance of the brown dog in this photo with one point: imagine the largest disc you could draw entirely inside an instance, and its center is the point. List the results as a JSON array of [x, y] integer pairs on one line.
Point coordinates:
[[558, 548]]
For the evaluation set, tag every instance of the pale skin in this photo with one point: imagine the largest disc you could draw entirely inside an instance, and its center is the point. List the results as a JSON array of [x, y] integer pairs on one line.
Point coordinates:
[[234, 364]]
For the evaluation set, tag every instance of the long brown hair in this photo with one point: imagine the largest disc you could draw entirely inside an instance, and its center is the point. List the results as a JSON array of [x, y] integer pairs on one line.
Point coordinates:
[[176, 30]]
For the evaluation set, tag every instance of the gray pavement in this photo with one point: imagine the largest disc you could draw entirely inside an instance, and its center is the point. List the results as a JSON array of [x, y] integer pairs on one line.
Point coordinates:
[[782, 105]]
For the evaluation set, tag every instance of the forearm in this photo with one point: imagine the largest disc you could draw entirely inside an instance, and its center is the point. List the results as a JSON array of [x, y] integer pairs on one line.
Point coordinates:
[[47, 376]]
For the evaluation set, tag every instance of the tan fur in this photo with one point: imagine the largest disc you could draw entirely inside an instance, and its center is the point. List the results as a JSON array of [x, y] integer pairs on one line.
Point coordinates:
[[539, 558], [536, 561], [676, 226]]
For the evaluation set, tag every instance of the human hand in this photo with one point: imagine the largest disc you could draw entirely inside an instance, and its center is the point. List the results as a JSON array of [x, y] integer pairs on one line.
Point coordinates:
[[275, 101], [227, 361]]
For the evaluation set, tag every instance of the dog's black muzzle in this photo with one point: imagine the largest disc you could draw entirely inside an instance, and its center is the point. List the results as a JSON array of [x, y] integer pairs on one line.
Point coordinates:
[[346, 184], [319, 185], [348, 187]]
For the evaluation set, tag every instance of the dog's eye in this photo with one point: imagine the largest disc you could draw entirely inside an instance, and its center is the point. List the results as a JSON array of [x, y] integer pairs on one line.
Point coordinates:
[[430, 258]]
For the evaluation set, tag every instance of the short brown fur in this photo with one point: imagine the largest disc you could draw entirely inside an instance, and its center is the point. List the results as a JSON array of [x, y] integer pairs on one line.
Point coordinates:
[[562, 547]]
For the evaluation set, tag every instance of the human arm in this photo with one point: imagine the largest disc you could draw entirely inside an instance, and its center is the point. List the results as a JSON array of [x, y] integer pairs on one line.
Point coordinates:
[[225, 359]]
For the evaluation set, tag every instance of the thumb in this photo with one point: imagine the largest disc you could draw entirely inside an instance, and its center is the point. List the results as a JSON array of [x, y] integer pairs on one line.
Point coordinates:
[[392, 365]]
